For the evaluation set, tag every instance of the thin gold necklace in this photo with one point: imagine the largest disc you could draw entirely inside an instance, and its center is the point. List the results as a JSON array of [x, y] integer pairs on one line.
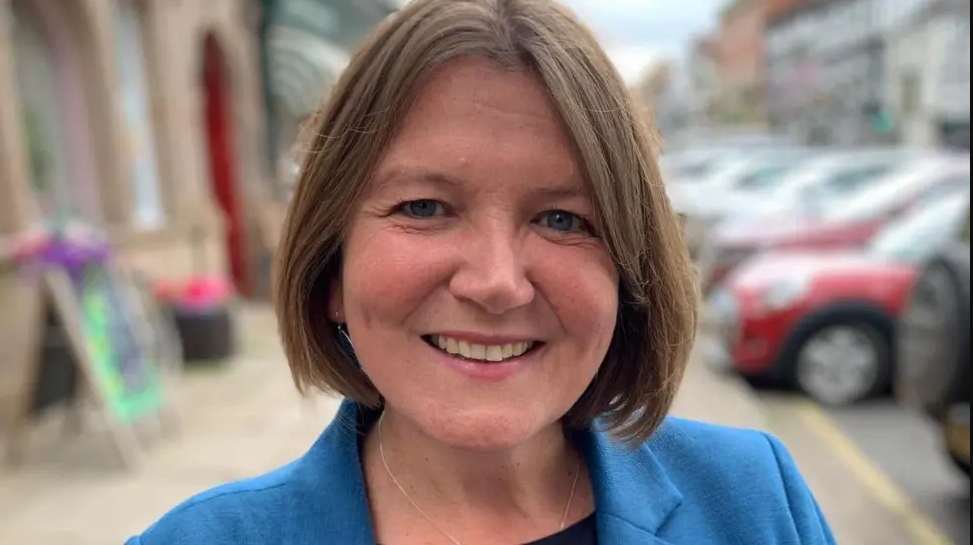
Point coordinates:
[[381, 451]]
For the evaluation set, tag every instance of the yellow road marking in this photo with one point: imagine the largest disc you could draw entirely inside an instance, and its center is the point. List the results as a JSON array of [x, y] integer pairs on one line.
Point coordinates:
[[922, 529]]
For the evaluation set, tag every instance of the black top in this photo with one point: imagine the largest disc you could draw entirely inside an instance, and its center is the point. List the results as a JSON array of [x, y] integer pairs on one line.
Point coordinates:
[[581, 533]]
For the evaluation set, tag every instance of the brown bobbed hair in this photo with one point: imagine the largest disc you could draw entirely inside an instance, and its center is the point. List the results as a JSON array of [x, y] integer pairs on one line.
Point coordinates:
[[614, 147]]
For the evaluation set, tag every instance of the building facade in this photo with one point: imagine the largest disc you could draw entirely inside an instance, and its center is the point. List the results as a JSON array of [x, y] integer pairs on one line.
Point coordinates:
[[928, 85], [741, 52], [162, 121], [704, 83], [826, 66], [143, 117], [159, 122]]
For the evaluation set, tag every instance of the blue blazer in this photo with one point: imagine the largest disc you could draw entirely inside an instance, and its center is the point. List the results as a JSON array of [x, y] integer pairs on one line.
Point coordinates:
[[691, 484]]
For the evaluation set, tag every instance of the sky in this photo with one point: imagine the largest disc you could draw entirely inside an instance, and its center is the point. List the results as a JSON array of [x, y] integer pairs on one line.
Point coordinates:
[[638, 33]]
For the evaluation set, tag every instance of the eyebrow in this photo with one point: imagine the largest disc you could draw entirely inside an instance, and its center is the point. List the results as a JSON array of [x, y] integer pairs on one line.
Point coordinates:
[[437, 178], [400, 174]]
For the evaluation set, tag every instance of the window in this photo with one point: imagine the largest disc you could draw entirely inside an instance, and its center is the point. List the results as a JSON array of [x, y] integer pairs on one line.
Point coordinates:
[[909, 93], [147, 207], [854, 178], [42, 116]]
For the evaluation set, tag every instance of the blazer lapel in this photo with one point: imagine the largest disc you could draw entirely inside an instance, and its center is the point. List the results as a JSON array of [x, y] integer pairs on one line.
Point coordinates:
[[335, 485], [634, 496]]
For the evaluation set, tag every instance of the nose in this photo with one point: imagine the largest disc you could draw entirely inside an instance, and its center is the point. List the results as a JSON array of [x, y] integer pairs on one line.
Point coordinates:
[[493, 275]]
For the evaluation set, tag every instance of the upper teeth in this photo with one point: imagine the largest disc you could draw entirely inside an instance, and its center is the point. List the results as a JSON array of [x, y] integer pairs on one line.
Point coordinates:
[[481, 352]]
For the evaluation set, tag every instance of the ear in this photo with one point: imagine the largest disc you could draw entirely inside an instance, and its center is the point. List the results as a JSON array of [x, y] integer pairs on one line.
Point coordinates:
[[336, 306]]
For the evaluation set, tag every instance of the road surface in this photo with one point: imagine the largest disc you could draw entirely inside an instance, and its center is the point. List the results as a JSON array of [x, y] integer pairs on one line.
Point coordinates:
[[896, 455], [908, 449]]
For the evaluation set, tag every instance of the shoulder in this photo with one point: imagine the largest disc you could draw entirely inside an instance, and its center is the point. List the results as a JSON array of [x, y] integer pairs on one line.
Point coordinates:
[[739, 474], [680, 441], [255, 510], [698, 455], [320, 497]]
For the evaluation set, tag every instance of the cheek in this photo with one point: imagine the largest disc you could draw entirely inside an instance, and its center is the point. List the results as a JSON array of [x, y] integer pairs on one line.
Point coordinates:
[[387, 275], [581, 286]]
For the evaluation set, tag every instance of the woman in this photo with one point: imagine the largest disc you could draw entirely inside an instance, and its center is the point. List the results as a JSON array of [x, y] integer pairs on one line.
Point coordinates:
[[481, 258]]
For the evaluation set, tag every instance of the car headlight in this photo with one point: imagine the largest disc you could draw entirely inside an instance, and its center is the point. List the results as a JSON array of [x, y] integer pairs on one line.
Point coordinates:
[[785, 293]]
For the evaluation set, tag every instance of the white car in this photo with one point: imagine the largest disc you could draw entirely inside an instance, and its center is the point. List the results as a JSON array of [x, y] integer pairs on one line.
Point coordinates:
[[821, 182], [928, 179], [734, 183]]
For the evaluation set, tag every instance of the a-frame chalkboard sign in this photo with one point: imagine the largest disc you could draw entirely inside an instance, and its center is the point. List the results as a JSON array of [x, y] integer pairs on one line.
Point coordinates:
[[104, 359]]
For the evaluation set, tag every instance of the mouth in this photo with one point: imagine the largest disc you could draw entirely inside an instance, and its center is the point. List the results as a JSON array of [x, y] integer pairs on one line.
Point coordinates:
[[481, 353]]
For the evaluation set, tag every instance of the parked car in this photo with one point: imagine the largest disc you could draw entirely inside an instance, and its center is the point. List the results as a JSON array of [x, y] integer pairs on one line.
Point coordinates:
[[849, 223], [711, 197], [707, 200], [933, 347], [820, 183], [696, 164], [824, 321]]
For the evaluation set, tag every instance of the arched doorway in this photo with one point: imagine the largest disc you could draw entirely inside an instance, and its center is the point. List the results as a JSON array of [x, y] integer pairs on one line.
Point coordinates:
[[51, 71], [146, 204], [222, 158]]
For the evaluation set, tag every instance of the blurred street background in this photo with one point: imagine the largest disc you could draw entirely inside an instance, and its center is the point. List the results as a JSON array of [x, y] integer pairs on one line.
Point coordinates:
[[817, 151]]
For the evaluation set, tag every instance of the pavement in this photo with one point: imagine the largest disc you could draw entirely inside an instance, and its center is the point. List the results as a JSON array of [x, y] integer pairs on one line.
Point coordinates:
[[245, 418]]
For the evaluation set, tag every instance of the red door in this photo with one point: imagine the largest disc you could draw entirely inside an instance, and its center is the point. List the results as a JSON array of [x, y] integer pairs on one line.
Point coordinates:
[[222, 164]]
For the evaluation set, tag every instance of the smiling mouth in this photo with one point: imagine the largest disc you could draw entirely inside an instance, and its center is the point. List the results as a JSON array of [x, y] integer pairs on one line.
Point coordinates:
[[482, 353]]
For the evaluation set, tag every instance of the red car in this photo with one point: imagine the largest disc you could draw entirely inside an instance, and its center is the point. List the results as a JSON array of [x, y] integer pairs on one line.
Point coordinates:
[[821, 320], [848, 226]]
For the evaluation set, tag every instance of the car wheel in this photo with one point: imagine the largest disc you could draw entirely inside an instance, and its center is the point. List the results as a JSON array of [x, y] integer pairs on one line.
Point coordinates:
[[956, 437], [960, 463], [841, 364], [933, 342]]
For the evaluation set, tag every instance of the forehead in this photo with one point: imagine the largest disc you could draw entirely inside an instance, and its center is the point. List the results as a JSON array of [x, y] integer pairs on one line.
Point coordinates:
[[473, 120]]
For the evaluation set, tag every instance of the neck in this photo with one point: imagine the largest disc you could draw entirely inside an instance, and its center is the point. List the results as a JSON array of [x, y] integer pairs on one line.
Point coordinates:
[[532, 480]]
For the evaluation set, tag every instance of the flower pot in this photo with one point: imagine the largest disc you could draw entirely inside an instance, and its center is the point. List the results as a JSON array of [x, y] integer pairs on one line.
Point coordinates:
[[207, 334], [202, 311]]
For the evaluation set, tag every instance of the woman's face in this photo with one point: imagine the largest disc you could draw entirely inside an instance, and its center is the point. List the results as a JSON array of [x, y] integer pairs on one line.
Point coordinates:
[[477, 293]]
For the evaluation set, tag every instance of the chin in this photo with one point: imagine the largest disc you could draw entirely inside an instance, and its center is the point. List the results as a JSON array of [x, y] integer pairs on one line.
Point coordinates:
[[482, 429]]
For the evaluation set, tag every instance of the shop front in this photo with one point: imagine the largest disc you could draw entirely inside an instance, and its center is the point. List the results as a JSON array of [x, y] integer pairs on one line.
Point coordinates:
[[140, 118]]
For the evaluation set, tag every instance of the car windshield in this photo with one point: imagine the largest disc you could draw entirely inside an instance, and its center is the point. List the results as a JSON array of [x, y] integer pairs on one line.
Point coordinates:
[[688, 167], [849, 177], [765, 176], [755, 173], [920, 181], [820, 184], [923, 232]]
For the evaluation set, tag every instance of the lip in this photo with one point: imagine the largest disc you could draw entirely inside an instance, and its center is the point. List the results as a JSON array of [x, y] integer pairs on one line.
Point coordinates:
[[487, 372], [485, 339]]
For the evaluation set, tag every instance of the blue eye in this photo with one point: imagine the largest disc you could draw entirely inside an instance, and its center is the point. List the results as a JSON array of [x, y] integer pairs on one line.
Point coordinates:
[[423, 208], [564, 221]]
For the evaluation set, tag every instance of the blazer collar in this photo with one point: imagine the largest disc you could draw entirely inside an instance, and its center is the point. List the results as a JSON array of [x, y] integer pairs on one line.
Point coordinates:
[[634, 496], [633, 493]]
